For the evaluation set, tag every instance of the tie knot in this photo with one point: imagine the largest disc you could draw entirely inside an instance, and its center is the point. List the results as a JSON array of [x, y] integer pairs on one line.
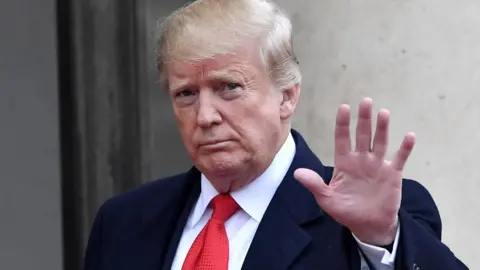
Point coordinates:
[[224, 206]]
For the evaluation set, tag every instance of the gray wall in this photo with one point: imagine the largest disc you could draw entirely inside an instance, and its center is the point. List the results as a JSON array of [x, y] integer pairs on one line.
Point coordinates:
[[421, 60], [30, 220], [167, 152]]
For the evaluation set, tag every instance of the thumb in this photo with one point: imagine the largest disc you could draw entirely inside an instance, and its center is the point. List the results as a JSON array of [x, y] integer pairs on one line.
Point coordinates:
[[313, 182]]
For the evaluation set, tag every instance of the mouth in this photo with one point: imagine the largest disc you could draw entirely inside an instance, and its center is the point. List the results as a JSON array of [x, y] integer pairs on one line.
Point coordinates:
[[214, 144]]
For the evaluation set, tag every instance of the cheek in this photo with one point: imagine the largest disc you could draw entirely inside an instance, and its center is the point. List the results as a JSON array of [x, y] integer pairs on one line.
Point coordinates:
[[265, 114], [258, 125], [184, 115], [186, 123]]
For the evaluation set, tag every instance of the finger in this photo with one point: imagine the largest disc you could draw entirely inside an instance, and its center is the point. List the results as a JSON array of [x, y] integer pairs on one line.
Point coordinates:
[[380, 141], [403, 153], [342, 131], [313, 182], [364, 126]]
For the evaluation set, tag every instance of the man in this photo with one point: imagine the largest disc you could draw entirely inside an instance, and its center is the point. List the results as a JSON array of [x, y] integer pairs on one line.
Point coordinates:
[[257, 197]]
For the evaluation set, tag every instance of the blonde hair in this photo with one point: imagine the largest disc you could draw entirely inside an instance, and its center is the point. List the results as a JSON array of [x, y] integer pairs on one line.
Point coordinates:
[[206, 28]]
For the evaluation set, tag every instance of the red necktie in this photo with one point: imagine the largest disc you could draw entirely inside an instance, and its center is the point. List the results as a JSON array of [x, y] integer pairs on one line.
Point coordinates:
[[209, 251]]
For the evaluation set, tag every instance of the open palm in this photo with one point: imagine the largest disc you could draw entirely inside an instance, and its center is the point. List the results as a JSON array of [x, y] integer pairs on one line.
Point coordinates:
[[364, 193]]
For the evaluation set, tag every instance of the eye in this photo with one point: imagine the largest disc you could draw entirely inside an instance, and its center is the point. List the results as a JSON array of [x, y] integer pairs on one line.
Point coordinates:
[[231, 86], [185, 93]]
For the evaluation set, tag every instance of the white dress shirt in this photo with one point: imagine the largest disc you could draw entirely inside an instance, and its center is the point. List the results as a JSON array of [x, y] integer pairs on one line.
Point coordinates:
[[253, 200]]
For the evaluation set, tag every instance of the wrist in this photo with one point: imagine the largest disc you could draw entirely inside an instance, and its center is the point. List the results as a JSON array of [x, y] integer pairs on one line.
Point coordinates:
[[377, 236]]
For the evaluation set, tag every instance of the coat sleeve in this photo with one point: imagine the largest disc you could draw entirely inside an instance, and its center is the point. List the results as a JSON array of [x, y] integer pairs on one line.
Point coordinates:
[[420, 245]]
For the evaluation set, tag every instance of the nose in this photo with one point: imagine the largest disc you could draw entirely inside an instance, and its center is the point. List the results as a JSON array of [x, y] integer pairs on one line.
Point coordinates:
[[207, 114]]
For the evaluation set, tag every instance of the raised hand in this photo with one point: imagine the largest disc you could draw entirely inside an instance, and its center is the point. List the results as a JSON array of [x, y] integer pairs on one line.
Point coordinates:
[[365, 191]]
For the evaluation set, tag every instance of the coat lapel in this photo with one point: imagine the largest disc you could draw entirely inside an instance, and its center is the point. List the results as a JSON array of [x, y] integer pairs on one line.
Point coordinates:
[[193, 181], [149, 240], [282, 238]]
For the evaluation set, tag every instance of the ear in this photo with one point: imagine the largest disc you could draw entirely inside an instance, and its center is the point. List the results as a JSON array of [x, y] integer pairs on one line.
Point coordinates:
[[290, 98]]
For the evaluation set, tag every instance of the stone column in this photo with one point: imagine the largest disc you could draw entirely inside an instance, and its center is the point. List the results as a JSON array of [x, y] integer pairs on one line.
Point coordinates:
[[104, 107]]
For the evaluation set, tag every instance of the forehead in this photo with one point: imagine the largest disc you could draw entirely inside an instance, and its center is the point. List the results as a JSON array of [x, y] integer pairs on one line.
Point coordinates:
[[240, 63]]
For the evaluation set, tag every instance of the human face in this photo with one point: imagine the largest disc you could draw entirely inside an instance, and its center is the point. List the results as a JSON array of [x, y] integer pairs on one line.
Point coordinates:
[[230, 116]]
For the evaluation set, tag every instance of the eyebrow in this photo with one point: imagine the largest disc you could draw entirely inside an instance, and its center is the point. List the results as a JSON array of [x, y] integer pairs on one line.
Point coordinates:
[[225, 75], [177, 84]]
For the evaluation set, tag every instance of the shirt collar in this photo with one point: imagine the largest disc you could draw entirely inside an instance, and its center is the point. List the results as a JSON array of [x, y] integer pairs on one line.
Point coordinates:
[[255, 197]]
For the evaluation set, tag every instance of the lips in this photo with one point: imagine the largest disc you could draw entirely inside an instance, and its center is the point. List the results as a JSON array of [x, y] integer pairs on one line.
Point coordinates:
[[215, 142]]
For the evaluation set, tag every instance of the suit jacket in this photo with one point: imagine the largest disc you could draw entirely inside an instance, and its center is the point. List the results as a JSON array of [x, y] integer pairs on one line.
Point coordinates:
[[140, 229]]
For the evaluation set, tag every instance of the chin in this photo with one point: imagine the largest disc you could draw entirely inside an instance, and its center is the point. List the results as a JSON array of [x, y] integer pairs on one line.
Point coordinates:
[[221, 163]]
